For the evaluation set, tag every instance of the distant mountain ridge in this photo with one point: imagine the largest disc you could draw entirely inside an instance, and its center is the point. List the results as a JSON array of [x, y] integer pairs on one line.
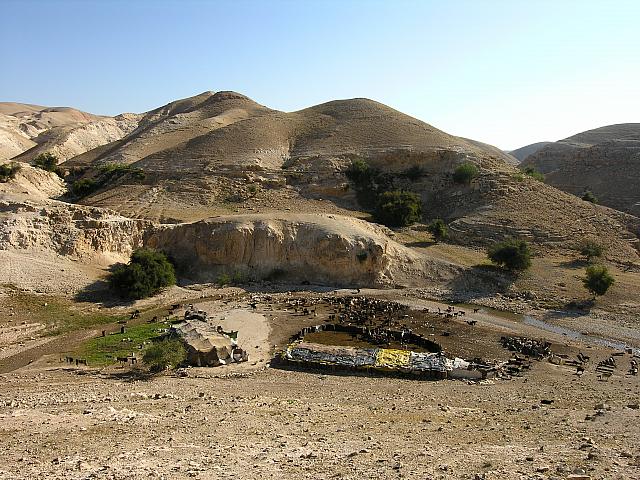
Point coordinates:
[[604, 161]]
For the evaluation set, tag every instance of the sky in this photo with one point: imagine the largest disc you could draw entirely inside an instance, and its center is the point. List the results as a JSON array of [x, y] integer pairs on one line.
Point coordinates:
[[508, 73]]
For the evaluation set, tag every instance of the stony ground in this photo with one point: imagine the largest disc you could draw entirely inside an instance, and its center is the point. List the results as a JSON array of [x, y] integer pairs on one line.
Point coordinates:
[[286, 424], [58, 421]]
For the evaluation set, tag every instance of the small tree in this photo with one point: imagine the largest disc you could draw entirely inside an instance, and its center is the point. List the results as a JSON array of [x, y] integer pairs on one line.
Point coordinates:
[[533, 173], [591, 249], [8, 171], [513, 255], [598, 280], [464, 173], [47, 161], [146, 273], [438, 229], [588, 196], [398, 208], [164, 354]]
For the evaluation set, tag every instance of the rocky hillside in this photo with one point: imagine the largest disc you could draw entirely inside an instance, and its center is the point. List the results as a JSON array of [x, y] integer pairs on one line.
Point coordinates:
[[605, 161], [523, 152], [28, 130], [221, 153]]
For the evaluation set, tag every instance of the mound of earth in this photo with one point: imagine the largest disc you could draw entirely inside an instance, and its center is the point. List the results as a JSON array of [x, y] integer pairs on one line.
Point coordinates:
[[320, 249], [33, 183], [604, 161]]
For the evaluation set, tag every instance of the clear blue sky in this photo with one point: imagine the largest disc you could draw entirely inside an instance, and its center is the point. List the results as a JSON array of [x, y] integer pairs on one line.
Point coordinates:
[[504, 72]]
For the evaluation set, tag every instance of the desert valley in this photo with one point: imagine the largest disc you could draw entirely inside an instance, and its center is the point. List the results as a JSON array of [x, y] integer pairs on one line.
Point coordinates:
[[333, 248]]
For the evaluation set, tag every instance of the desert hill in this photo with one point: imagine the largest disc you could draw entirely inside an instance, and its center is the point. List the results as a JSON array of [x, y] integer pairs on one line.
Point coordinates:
[[218, 154], [605, 161], [523, 152], [28, 130]]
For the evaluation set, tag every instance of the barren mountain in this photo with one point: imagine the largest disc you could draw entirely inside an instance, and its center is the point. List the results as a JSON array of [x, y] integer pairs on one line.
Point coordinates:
[[523, 152], [605, 161], [28, 130], [222, 153]]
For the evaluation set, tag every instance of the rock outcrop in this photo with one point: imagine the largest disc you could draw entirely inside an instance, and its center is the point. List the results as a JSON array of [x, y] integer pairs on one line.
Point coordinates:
[[325, 249]]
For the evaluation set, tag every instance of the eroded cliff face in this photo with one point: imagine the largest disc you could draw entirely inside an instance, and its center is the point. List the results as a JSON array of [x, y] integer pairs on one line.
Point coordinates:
[[82, 233], [325, 249]]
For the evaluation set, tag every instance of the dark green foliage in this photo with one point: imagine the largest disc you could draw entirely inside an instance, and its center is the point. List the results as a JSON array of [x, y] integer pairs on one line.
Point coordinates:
[[164, 354], [413, 173], [464, 173], [531, 172], [398, 208], [111, 170], [369, 182], [84, 187], [49, 162], [146, 273], [591, 249], [513, 255], [589, 197], [8, 171], [438, 229], [598, 280]]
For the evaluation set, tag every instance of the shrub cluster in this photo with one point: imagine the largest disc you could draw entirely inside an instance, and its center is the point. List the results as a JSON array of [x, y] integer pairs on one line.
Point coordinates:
[[438, 229], [513, 255], [598, 279], [591, 249], [464, 173], [398, 208], [588, 196], [164, 354], [533, 173], [147, 272], [49, 162], [8, 171], [108, 173]]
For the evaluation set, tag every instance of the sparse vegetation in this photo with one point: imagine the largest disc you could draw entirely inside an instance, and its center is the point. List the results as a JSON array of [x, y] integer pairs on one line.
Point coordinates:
[[369, 182], [591, 250], [362, 256], [164, 354], [513, 255], [465, 173], [398, 208], [108, 173], [533, 173], [8, 171], [598, 280], [438, 229], [147, 272], [49, 162], [413, 173], [588, 196], [82, 188]]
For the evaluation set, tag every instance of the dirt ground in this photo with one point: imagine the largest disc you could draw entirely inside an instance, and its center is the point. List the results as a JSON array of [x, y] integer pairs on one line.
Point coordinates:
[[64, 422]]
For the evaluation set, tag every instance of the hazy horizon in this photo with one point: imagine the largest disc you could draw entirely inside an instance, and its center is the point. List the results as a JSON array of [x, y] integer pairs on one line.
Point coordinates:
[[504, 73]]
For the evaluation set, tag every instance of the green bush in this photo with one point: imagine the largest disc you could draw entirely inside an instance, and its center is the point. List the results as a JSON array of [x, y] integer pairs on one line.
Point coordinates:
[[398, 209], [164, 354], [118, 169], [8, 171], [438, 229], [81, 188], [146, 273], [598, 280], [591, 249], [369, 182], [464, 173], [49, 162], [513, 255], [589, 197], [533, 173]]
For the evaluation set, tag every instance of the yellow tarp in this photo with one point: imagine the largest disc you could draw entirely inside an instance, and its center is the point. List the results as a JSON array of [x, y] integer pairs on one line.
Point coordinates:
[[390, 358]]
